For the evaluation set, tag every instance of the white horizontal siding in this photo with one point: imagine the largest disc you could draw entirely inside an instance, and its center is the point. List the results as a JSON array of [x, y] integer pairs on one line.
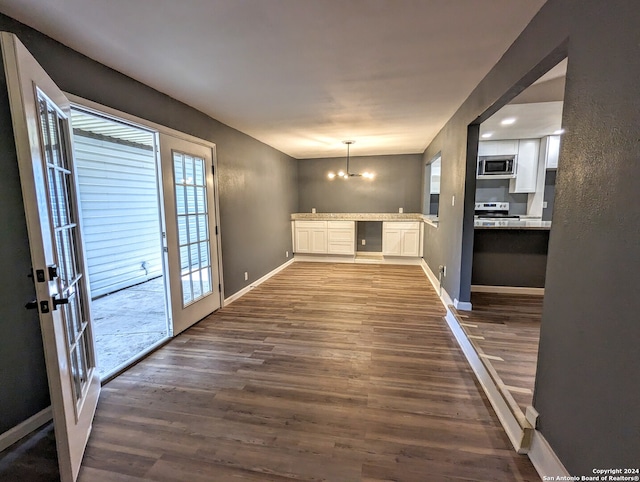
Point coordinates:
[[121, 221]]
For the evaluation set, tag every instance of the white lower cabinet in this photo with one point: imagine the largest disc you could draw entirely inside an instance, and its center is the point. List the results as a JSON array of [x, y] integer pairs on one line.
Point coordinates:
[[341, 237], [401, 238], [311, 237], [325, 237]]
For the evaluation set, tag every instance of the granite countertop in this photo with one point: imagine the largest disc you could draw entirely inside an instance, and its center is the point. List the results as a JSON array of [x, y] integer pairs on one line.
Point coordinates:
[[357, 216], [512, 224]]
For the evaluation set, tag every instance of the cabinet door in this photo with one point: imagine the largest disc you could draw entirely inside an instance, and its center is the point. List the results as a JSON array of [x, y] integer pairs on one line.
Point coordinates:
[[553, 151], [392, 242], [303, 240], [319, 240], [527, 167], [506, 148], [410, 242]]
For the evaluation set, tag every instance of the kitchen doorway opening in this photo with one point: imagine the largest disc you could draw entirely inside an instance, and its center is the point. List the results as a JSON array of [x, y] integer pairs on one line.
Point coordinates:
[[512, 158], [121, 212]]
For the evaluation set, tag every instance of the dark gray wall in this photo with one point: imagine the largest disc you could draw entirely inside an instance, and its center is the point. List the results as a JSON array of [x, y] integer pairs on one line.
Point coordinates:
[[23, 380], [510, 257], [258, 192], [398, 184], [588, 376], [488, 190], [371, 233]]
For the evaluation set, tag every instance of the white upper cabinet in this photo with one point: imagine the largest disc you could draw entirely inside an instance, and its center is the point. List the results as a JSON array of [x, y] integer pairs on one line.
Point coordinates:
[[553, 152], [527, 167], [498, 148]]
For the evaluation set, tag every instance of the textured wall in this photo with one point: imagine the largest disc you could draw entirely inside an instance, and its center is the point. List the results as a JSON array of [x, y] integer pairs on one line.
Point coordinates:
[[398, 184], [588, 377]]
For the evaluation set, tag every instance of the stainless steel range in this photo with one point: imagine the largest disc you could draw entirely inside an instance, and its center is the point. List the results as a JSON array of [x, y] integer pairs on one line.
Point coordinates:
[[494, 210]]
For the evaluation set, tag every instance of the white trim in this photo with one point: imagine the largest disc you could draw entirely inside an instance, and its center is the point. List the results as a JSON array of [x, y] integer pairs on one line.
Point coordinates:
[[118, 115], [23, 429], [246, 289], [430, 274], [362, 259], [509, 290], [462, 305], [544, 459], [519, 437]]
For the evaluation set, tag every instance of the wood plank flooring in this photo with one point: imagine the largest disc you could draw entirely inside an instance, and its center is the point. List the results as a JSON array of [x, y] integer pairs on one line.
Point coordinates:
[[326, 372], [506, 327]]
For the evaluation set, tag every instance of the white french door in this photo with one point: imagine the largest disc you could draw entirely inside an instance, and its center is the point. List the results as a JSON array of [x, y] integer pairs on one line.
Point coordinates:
[[191, 230], [40, 115]]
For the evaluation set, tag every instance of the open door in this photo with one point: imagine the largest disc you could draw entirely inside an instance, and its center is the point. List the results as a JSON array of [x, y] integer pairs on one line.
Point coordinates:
[[40, 115], [191, 230]]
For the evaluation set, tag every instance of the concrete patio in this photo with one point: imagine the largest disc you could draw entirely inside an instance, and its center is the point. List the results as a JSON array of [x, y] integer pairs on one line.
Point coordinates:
[[127, 322]]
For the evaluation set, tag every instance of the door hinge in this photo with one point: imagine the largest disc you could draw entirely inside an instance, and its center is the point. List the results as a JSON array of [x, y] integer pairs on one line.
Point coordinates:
[[220, 287], [216, 230], [213, 169]]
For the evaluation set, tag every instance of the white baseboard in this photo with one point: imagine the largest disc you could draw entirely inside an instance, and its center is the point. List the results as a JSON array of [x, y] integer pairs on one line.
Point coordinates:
[[520, 437], [23, 429], [364, 259], [246, 289], [462, 305], [430, 275], [545, 460], [323, 258], [508, 290]]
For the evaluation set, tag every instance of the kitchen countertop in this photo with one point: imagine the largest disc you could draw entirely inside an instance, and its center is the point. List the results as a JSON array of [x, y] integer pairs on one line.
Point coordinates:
[[512, 224], [357, 217]]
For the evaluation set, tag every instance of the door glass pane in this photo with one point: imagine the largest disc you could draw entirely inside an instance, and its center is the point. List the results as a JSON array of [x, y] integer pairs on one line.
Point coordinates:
[[71, 283], [193, 230]]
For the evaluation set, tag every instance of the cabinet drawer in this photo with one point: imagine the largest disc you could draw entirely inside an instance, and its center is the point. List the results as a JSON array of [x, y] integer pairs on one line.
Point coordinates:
[[340, 224], [341, 248], [404, 225], [311, 224], [340, 235]]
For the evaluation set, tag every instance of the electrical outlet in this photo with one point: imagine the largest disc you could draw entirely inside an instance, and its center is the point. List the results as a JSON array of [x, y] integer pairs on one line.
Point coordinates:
[[400, 210], [544, 204], [286, 253], [246, 275], [364, 242]]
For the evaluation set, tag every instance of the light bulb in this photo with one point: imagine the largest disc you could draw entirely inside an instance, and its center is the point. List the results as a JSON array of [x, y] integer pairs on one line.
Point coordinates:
[[341, 174], [331, 175]]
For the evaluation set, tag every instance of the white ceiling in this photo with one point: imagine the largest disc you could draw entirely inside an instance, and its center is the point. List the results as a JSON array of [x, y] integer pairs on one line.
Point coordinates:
[[299, 75], [536, 112]]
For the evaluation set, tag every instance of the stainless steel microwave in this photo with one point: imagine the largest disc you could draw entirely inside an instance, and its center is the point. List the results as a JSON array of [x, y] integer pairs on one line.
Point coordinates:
[[496, 167]]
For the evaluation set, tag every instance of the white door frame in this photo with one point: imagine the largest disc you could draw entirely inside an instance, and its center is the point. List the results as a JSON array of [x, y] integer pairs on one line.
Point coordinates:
[[108, 112]]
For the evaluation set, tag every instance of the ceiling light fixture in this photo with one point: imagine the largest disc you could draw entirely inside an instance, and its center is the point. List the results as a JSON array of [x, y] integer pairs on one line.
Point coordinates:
[[508, 121], [486, 135], [347, 174]]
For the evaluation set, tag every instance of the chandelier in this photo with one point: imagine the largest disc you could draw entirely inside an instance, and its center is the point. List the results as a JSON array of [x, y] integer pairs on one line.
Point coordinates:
[[347, 174]]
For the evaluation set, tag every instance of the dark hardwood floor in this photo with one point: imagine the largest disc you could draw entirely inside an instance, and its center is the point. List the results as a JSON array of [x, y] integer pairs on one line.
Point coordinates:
[[506, 328], [326, 372]]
